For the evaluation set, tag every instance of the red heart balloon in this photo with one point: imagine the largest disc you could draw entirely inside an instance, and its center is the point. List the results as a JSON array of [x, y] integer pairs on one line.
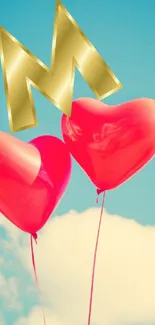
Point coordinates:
[[33, 178], [111, 143]]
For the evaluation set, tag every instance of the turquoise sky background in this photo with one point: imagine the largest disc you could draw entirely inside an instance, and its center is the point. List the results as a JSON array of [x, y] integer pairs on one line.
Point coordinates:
[[123, 33]]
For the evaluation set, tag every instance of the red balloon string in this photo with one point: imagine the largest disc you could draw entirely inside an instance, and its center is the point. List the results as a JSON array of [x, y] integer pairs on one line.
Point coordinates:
[[94, 262], [35, 273]]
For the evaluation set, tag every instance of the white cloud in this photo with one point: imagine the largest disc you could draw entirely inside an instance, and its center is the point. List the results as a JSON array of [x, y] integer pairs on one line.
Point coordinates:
[[9, 292], [36, 318], [2, 321], [125, 273]]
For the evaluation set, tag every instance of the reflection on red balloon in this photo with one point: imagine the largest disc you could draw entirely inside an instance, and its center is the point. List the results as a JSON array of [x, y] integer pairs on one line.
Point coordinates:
[[33, 179], [110, 143]]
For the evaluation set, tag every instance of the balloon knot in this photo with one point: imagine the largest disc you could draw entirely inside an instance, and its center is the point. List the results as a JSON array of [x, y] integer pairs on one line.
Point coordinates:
[[99, 191], [35, 237]]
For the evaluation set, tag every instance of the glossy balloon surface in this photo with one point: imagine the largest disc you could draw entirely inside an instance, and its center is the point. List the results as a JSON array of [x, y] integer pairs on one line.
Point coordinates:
[[110, 143], [33, 179]]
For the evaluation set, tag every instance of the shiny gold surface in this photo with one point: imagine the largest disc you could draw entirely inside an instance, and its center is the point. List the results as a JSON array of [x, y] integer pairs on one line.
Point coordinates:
[[70, 49]]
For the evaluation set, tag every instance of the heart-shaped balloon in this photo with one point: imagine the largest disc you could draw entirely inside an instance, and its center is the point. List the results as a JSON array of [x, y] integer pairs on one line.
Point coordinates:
[[33, 179], [111, 143]]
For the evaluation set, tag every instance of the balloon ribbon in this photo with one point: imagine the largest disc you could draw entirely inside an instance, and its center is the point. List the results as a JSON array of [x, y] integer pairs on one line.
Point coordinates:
[[94, 260], [35, 273]]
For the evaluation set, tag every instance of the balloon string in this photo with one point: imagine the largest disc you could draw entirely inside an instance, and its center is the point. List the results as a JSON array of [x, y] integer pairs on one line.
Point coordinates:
[[35, 273], [94, 262]]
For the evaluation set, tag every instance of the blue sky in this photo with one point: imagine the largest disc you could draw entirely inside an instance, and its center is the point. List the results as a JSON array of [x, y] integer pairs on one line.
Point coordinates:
[[123, 33]]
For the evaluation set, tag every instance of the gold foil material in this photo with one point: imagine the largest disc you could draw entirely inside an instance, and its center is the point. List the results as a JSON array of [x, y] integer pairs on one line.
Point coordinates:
[[70, 49]]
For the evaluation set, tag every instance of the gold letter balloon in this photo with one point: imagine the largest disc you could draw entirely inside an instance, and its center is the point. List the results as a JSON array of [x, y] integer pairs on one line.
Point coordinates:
[[70, 49]]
